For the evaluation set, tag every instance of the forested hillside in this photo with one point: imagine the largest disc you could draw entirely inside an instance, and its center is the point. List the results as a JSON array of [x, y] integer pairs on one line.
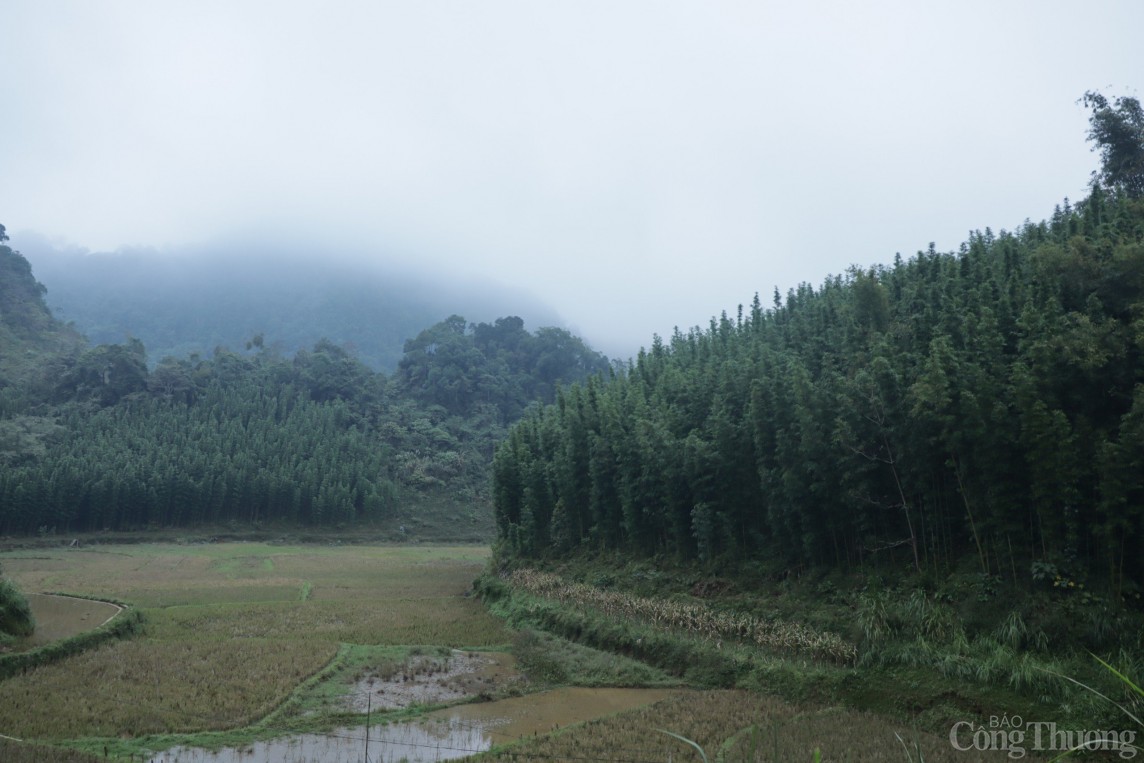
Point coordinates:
[[983, 407], [498, 364], [95, 438], [29, 336]]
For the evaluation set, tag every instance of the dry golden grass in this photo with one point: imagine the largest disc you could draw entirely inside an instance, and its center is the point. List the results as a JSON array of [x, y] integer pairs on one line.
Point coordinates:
[[166, 575], [115, 572], [440, 621], [223, 592], [129, 688]]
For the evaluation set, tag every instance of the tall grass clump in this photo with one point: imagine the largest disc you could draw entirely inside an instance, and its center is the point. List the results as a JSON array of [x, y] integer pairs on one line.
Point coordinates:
[[12, 751], [921, 631], [1130, 703]]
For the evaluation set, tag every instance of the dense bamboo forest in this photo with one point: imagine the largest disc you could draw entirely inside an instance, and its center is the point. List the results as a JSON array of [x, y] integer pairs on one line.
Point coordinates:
[[982, 407], [95, 438]]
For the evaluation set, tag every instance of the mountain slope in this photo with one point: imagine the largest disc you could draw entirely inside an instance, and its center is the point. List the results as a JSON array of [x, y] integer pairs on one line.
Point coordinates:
[[91, 438], [30, 338], [194, 301]]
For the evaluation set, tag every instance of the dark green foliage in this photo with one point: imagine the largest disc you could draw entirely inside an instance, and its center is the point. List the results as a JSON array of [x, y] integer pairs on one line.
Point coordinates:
[[22, 308], [500, 365], [230, 439], [105, 374], [32, 343], [1117, 129], [15, 614], [983, 405]]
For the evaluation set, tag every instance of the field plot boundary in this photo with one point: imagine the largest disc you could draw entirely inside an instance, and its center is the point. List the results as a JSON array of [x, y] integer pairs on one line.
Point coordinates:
[[123, 623], [119, 608]]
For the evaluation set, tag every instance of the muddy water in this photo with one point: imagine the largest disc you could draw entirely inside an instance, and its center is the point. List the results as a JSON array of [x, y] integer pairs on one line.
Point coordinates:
[[442, 735], [462, 675]]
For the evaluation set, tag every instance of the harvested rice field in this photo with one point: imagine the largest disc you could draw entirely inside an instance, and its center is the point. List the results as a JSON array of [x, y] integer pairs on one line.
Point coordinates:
[[232, 631]]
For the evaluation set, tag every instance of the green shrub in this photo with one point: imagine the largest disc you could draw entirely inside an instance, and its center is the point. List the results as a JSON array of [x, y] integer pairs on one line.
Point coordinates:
[[15, 614]]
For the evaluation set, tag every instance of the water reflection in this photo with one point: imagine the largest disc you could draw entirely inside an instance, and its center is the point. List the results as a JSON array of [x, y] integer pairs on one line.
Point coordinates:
[[407, 741], [442, 735]]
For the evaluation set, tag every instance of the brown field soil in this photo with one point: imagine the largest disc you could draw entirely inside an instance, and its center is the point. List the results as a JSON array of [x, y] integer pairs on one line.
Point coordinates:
[[59, 617]]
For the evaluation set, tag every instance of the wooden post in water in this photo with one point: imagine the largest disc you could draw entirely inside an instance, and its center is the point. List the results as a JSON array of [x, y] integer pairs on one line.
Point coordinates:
[[368, 700]]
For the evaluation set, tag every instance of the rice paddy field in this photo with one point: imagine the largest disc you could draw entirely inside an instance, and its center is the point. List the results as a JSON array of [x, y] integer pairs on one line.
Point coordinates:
[[250, 641], [60, 617], [232, 630]]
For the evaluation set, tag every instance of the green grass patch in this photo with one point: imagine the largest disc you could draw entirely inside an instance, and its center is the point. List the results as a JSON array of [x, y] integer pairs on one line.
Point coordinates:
[[548, 660], [445, 621], [244, 566]]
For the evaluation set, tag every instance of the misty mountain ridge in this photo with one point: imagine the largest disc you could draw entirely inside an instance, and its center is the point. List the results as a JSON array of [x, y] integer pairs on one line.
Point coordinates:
[[92, 438], [194, 300]]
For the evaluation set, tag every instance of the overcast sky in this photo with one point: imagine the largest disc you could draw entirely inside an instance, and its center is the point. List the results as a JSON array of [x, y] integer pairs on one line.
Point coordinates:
[[637, 165]]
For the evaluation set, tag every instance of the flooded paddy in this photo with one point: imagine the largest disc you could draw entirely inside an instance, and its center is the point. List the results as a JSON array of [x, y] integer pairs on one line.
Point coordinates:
[[440, 735], [428, 680]]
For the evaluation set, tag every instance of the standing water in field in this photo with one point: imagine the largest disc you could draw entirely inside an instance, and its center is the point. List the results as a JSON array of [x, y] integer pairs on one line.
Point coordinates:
[[441, 735], [405, 741]]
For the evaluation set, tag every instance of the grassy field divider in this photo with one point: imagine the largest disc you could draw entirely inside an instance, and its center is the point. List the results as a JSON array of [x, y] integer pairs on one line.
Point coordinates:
[[125, 623], [697, 661], [292, 701], [693, 619]]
